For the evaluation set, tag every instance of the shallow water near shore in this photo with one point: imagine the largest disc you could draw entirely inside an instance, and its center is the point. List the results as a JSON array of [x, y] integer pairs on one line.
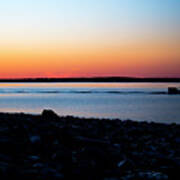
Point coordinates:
[[136, 101]]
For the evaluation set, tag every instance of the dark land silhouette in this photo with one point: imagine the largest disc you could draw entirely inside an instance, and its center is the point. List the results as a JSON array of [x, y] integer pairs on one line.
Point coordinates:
[[93, 79]]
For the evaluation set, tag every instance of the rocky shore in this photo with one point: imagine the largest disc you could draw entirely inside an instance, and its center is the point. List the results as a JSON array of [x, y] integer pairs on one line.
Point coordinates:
[[47, 146]]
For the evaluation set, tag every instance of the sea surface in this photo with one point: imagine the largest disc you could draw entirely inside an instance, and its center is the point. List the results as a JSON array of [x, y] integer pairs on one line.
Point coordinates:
[[135, 101]]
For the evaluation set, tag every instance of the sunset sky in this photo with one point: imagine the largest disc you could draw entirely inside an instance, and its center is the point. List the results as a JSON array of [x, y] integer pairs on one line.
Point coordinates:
[[77, 38]]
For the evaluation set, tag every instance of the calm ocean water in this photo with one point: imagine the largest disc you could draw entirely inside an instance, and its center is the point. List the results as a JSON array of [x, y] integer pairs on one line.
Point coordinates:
[[136, 101]]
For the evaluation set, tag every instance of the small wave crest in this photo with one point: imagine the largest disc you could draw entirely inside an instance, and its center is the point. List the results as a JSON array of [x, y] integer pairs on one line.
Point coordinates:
[[81, 92]]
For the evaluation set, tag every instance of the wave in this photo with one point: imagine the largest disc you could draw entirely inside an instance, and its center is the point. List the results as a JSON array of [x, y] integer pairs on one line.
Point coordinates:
[[81, 92]]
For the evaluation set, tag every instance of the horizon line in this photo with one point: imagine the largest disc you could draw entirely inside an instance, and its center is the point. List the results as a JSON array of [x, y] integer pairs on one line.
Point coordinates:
[[108, 76], [93, 79]]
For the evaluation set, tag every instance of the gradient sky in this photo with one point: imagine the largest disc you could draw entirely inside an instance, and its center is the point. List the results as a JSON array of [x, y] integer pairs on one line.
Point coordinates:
[[62, 38]]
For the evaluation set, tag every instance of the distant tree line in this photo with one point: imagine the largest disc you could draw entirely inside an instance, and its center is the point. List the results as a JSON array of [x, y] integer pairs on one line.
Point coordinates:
[[93, 79]]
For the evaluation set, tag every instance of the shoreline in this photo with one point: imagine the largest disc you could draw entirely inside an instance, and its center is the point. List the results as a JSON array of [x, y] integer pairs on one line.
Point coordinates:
[[48, 146], [84, 118]]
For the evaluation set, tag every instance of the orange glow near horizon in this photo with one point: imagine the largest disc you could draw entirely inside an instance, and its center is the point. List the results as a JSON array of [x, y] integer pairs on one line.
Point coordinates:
[[130, 60], [89, 38]]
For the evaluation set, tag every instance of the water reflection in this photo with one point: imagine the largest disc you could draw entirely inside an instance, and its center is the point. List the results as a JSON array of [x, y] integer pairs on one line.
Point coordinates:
[[142, 106]]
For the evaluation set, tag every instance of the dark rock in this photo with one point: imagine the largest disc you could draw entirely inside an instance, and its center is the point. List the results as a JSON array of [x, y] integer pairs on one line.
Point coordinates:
[[51, 147], [173, 90], [177, 140], [151, 175], [35, 139], [49, 114], [34, 158], [38, 165], [90, 142], [51, 173]]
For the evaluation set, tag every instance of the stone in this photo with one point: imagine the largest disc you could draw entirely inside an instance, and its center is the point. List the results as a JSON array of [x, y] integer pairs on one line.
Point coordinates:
[[47, 146], [49, 114], [35, 139], [173, 90]]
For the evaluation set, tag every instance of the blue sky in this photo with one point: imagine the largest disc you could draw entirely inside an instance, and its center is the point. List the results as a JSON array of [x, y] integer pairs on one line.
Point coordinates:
[[89, 17]]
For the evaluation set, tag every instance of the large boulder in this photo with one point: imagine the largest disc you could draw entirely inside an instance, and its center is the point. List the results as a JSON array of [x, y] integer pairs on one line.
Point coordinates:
[[49, 114]]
